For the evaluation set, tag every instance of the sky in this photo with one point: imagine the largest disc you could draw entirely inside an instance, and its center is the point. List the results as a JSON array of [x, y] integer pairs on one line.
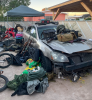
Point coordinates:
[[40, 4]]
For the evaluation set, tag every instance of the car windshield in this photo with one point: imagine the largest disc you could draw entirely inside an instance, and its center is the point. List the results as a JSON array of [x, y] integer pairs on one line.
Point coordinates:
[[40, 29]]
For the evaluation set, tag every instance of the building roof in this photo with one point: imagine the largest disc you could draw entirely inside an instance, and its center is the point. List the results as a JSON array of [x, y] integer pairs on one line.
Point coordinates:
[[49, 12], [74, 16], [72, 6]]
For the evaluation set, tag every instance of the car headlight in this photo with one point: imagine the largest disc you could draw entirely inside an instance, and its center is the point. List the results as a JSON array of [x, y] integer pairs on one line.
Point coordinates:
[[58, 57]]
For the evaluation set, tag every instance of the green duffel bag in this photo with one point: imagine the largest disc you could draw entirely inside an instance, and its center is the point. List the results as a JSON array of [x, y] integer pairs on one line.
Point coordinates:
[[65, 37], [2, 28]]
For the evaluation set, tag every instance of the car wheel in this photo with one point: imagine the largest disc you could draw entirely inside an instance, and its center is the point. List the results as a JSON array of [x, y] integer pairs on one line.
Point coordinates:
[[46, 63]]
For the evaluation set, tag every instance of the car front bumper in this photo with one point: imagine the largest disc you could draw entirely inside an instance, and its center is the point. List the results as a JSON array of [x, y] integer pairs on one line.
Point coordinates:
[[77, 61], [73, 67]]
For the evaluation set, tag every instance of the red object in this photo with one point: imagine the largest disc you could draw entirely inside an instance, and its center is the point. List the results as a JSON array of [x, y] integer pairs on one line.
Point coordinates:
[[6, 36], [47, 21], [21, 35], [42, 21], [10, 31]]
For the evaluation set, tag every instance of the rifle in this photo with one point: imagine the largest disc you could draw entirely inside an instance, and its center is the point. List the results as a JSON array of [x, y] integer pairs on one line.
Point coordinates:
[[26, 49], [25, 46], [52, 38]]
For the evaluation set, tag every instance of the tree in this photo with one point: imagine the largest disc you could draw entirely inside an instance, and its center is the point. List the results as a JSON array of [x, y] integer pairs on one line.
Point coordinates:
[[6, 5], [15, 3], [3, 5]]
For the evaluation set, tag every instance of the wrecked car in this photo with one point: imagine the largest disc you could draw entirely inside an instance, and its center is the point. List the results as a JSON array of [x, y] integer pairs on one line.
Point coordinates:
[[69, 57]]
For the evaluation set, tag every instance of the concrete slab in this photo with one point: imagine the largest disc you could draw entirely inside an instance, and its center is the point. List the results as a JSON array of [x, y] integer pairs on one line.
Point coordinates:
[[59, 90]]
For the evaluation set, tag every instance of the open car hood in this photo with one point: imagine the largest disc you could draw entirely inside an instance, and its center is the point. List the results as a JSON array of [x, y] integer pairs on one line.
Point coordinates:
[[68, 47]]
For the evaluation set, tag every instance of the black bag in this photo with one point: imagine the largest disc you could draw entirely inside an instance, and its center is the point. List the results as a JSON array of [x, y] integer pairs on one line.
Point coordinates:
[[16, 61], [34, 53], [21, 90], [19, 41], [46, 34], [23, 57]]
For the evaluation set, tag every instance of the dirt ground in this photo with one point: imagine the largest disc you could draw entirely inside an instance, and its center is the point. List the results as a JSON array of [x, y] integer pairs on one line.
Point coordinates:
[[59, 90]]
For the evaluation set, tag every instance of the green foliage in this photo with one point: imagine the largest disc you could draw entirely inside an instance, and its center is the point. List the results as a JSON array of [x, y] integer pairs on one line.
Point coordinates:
[[88, 19], [77, 18], [6, 5], [15, 3]]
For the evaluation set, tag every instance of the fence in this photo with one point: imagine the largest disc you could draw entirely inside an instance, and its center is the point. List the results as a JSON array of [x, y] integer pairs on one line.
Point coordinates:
[[13, 23], [85, 27]]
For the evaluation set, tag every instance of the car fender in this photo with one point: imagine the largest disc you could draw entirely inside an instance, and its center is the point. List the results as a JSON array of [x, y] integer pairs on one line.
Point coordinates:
[[45, 49]]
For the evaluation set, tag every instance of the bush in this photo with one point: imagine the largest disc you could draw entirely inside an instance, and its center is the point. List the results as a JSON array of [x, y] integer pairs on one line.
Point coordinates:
[[88, 19]]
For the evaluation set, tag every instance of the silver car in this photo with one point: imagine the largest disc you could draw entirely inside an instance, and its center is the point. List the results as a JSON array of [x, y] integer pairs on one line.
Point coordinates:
[[68, 56]]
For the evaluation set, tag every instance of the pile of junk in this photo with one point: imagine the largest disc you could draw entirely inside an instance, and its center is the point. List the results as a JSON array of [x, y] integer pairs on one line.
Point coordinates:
[[34, 78], [61, 34], [10, 36]]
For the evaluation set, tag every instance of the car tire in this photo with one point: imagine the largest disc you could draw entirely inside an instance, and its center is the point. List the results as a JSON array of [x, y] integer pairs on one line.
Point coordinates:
[[46, 63], [9, 60], [6, 81]]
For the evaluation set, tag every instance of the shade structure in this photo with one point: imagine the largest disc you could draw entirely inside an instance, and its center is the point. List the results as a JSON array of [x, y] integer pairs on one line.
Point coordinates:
[[73, 6], [23, 11]]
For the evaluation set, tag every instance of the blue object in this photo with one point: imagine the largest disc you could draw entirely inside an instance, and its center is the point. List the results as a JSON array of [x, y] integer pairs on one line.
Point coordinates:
[[19, 38], [42, 19]]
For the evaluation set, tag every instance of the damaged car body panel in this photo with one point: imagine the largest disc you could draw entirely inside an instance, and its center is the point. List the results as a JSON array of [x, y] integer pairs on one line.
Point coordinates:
[[68, 47]]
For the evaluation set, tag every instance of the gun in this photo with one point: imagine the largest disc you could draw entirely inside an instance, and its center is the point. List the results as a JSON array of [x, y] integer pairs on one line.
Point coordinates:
[[51, 38], [25, 46]]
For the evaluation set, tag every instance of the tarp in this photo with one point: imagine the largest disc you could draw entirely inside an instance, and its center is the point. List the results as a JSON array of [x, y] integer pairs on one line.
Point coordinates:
[[23, 11]]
